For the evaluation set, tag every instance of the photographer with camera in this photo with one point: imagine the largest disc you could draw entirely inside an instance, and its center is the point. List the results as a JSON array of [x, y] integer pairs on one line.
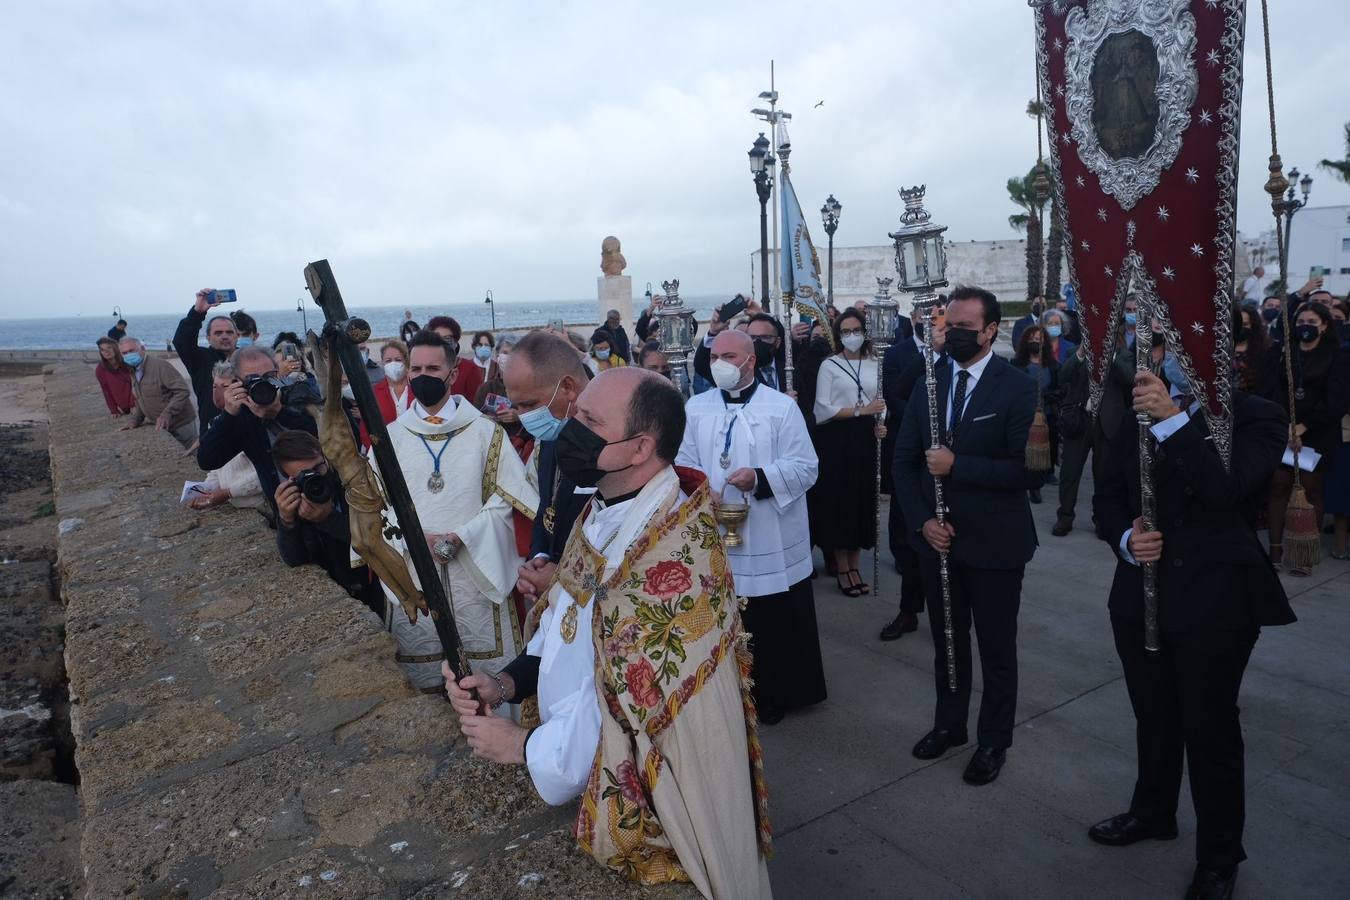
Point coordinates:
[[312, 525], [254, 414]]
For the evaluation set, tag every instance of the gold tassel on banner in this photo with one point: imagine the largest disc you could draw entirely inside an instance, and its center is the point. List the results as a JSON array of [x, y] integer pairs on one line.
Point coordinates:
[[1302, 540], [1038, 444]]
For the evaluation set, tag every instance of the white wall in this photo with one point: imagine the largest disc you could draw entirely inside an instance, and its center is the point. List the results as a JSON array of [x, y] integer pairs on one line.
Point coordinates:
[[1320, 237], [998, 266]]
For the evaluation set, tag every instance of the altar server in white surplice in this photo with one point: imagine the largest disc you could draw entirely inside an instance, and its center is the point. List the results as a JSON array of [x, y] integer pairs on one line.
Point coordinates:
[[465, 480], [752, 443]]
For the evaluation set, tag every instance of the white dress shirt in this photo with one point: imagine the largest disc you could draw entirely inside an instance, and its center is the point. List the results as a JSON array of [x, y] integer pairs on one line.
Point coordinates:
[[844, 383], [975, 370]]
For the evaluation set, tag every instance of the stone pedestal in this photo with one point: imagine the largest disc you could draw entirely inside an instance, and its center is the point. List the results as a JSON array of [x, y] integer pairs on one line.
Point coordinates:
[[615, 292]]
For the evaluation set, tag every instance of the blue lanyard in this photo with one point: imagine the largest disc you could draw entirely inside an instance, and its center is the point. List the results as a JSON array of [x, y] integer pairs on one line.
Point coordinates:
[[726, 447], [435, 457]]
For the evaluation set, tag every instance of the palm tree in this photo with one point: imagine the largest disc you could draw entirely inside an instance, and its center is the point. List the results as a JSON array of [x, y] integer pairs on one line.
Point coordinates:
[[1054, 249], [1022, 192], [1340, 167]]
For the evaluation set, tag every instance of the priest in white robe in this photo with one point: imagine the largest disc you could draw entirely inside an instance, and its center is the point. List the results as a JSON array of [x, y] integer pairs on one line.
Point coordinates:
[[753, 444], [465, 480]]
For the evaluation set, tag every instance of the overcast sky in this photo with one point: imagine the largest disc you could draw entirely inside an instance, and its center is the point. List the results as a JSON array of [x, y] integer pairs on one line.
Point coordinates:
[[431, 150]]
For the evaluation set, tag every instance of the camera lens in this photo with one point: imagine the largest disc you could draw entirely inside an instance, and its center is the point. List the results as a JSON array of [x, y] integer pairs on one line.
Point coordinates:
[[316, 487], [262, 391]]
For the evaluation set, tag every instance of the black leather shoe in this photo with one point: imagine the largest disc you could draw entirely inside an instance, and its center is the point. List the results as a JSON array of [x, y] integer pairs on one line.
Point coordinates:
[[901, 624], [1035, 495], [937, 742], [770, 715], [984, 765], [1125, 829], [1209, 884], [1062, 526]]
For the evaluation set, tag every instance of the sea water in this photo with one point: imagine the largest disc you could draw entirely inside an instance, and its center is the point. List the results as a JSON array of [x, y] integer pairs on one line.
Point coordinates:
[[80, 332]]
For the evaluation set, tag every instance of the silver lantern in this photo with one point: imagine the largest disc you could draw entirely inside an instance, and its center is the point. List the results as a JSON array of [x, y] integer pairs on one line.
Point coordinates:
[[675, 333], [883, 313], [920, 259]]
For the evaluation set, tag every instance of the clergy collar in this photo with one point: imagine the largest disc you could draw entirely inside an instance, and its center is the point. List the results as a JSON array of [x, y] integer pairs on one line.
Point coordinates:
[[454, 415], [606, 502], [741, 395]]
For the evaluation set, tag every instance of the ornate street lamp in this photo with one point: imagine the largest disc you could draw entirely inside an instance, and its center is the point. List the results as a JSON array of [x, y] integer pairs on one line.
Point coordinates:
[[675, 333], [761, 167], [1289, 207], [921, 263], [304, 318], [493, 307], [829, 216]]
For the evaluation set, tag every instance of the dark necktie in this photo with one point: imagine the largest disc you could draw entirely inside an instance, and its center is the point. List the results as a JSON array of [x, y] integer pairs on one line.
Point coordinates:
[[958, 402]]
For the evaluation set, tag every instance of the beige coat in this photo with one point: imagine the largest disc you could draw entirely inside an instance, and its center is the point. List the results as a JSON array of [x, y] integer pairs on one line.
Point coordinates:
[[158, 389]]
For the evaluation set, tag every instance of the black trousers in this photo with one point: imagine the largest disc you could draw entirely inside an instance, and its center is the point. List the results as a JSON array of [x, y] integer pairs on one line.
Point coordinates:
[[1185, 703], [1073, 457], [911, 579], [989, 597]]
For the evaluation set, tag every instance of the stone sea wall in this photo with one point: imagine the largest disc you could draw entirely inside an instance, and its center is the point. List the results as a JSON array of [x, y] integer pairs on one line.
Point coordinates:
[[241, 728]]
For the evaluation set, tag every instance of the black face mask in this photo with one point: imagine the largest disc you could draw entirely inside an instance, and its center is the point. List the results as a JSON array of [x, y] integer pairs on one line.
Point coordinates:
[[577, 452], [1306, 333], [963, 344], [1244, 334], [918, 330], [1037, 308], [763, 354], [1033, 350], [1270, 315], [428, 389]]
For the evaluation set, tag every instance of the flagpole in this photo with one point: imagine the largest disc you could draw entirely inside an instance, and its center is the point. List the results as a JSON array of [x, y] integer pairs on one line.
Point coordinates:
[[785, 298]]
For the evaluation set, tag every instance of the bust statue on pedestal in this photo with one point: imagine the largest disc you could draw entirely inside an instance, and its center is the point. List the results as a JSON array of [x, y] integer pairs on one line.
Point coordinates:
[[614, 289]]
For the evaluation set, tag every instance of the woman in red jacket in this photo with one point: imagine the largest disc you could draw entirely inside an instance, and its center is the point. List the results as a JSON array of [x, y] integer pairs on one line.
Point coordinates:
[[114, 376], [392, 393]]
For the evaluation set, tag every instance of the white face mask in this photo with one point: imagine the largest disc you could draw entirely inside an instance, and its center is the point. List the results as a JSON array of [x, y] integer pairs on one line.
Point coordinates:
[[725, 375], [347, 392], [394, 370], [853, 342]]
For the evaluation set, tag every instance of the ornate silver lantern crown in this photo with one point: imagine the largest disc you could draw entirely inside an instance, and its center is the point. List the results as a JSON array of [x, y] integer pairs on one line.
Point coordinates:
[[675, 332], [920, 259], [882, 314]]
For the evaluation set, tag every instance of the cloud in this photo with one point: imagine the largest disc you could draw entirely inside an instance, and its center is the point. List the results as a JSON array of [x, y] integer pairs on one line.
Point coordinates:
[[434, 150]]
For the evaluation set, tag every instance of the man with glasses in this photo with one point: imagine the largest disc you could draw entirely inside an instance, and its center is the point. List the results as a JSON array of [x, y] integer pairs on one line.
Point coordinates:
[[253, 415]]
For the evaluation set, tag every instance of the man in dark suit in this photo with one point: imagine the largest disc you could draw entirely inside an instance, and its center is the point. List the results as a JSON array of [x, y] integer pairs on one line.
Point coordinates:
[[1033, 317], [901, 369], [543, 377], [1216, 588], [985, 408]]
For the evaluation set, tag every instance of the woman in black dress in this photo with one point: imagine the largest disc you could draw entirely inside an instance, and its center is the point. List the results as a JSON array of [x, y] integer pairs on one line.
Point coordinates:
[[847, 409]]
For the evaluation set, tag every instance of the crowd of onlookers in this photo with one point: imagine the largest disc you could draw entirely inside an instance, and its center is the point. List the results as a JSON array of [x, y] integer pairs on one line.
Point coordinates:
[[848, 395]]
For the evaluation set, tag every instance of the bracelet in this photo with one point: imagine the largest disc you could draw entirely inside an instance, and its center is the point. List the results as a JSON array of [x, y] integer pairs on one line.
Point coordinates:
[[525, 746], [501, 691]]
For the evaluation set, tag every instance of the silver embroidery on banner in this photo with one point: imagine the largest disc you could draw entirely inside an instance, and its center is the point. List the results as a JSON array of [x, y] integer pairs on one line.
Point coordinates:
[[1170, 27]]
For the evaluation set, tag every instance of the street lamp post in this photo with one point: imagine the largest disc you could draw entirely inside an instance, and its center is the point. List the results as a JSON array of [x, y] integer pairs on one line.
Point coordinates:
[[304, 318], [493, 307], [829, 215], [761, 167], [1289, 207]]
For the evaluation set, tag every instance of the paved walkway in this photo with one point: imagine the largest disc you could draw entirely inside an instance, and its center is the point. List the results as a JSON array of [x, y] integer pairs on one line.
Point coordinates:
[[858, 816]]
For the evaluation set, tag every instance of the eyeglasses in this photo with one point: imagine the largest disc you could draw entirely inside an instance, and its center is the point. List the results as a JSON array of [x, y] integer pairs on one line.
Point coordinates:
[[763, 338], [850, 331]]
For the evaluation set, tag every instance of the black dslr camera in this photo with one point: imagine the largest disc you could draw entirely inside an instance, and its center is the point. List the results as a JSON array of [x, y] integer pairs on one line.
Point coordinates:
[[315, 486], [262, 389]]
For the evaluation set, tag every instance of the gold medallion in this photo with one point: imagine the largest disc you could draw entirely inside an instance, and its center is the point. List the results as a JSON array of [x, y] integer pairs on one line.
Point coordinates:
[[549, 519], [569, 624]]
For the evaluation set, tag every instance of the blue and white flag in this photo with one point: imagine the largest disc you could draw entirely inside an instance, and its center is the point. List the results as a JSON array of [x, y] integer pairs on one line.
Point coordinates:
[[799, 271]]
